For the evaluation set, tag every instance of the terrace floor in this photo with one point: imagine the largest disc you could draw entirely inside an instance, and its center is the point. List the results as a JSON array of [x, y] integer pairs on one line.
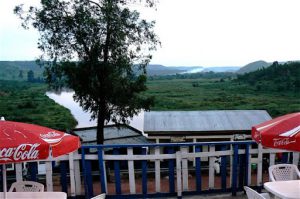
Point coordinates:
[[240, 195], [165, 188]]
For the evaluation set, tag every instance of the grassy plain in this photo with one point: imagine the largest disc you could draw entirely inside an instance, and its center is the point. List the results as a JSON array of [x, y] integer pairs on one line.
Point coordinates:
[[27, 102], [204, 94]]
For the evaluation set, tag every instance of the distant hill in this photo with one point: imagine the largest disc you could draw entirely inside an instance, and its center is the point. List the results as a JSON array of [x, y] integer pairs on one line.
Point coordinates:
[[10, 70], [277, 77], [253, 66], [172, 70], [153, 69], [17, 70]]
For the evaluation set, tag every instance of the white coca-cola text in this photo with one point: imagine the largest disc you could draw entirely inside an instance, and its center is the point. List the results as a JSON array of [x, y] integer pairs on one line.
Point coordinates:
[[49, 135], [20, 153], [282, 141]]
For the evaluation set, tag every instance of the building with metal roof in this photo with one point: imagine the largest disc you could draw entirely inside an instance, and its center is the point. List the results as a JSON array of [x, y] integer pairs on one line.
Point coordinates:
[[195, 126], [123, 134]]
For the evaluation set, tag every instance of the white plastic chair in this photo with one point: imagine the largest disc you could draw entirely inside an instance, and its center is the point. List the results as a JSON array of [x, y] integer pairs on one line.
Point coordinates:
[[283, 172], [101, 196], [252, 194], [26, 186]]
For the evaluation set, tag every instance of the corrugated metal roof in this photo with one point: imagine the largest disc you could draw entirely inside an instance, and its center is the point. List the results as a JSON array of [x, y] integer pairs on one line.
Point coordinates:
[[197, 121], [129, 140], [112, 135]]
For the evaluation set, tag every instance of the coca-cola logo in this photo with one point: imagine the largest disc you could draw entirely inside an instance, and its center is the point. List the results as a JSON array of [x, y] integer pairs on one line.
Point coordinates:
[[20, 153], [282, 141], [52, 137], [49, 135]]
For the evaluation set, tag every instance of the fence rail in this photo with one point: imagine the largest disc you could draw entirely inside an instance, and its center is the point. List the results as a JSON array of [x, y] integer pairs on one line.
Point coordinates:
[[155, 170]]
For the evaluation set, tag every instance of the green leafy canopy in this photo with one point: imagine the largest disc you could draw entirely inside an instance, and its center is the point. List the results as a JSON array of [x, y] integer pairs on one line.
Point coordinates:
[[95, 48]]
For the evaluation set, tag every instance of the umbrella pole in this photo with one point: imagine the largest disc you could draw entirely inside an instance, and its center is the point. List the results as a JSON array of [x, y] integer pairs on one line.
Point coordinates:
[[4, 180]]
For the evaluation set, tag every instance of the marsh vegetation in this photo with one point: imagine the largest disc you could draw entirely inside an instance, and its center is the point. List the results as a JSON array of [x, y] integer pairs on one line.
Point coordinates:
[[27, 102], [275, 89]]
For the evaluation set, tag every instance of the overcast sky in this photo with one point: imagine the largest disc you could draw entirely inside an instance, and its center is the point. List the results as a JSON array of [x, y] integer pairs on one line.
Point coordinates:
[[193, 32]]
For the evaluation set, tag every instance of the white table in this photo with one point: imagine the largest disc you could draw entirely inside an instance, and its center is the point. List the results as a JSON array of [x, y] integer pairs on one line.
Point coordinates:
[[284, 189], [34, 195]]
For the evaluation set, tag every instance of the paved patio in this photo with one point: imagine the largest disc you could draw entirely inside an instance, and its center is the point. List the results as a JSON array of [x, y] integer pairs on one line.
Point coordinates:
[[240, 195]]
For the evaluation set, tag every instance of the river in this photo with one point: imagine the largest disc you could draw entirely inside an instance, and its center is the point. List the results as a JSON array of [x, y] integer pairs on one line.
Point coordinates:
[[83, 118]]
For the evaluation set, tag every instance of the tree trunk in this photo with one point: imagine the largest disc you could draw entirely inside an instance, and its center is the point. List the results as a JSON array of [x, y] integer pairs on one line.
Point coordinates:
[[100, 128], [102, 110]]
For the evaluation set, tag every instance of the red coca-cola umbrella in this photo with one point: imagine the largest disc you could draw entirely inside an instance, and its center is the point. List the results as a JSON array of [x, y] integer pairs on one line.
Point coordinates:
[[282, 132], [20, 142]]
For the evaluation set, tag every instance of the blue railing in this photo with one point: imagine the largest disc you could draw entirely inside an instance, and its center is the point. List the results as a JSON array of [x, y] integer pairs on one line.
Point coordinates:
[[235, 157], [157, 170]]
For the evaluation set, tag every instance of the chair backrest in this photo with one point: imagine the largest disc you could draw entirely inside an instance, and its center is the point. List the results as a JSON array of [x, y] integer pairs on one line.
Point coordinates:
[[26, 186], [252, 194], [283, 172], [101, 196]]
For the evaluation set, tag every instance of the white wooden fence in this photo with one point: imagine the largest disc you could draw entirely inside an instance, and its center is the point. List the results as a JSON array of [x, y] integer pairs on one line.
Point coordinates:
[[179, 160]]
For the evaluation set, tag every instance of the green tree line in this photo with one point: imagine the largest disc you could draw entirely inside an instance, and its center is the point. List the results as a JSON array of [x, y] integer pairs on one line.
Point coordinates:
[[26, 102], [277, 77], [204, 75]]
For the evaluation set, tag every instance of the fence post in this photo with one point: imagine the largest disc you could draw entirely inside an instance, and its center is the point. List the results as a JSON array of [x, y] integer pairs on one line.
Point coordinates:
[[85, 173], [89, 178], [241, 171], [272, 159], [198, 170], [223, 169], [295, 158], [117, 173], [178, 172], [131, 172], [185, 173], [144, 173], [77, 174], [171, 172], [63, 176], [250, 165], [49, 173], [259, 167], [247, 165], [3, 176], [234, 169], [157, 170], [211, 175], [285, 158], [19, 173], [72, 176], [102, 169], [194, 151], [33, 170]]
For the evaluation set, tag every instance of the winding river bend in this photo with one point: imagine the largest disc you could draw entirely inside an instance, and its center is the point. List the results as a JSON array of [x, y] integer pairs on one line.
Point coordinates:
[[83, 118]]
